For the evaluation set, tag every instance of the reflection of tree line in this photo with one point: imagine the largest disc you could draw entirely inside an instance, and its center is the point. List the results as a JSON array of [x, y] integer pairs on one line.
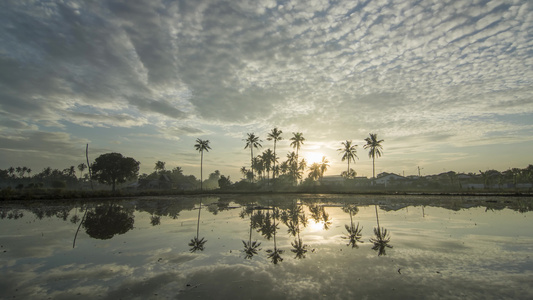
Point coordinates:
[[109, 219]]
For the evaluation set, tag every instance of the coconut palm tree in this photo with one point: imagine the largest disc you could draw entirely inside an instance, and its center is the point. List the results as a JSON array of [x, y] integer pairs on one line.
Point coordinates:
[[81, 168], [349, 153], [376, 149], [252, 142], [201, 146], [314, 171], [297, 141], [275, 135], [268, 159], [324, 164]]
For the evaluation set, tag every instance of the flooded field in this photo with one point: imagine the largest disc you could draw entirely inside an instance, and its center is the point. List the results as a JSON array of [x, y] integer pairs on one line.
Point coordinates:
[[269, 247]]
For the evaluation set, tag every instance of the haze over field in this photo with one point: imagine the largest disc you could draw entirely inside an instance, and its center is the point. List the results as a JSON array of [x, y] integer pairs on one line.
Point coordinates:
[[447, 84]]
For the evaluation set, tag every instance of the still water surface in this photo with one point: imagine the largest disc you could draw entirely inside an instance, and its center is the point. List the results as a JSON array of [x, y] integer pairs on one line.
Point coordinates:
[[269, 247]]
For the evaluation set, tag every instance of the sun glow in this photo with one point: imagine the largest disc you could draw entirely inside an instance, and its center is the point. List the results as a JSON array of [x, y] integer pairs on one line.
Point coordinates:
[[313, 157]]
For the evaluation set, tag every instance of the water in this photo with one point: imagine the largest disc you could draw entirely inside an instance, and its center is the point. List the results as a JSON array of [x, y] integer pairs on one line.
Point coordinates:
[[434, 248]]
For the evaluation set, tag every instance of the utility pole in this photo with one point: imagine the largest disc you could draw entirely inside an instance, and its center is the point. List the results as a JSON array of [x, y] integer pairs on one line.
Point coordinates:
[[419, 170]]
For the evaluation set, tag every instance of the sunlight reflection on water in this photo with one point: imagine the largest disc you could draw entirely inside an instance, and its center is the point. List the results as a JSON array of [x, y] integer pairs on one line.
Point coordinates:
[[262, 247]]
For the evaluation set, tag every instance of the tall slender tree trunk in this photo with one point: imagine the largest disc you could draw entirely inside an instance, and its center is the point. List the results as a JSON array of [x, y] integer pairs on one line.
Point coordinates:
[[89, 166], [373, 170], [274, 169], [252, 161], [201, 170]]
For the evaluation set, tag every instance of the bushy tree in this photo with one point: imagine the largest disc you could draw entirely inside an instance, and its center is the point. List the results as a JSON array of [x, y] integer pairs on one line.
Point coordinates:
[[113, 168]]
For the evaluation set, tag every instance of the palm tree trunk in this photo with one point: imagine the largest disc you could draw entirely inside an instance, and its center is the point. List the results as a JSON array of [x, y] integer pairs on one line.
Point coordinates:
[[373, 170], [377, 216], [201, 170], [273, 174], [252, 161]]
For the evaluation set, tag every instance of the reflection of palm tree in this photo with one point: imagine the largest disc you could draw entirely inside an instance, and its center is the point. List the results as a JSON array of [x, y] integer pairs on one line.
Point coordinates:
[[197, 243], [382, 239], [155, 220], [319, 214], [275, 255], [376, 149], [299, 248], [354, 232], [292, 218], [200, 146], [251, 248]]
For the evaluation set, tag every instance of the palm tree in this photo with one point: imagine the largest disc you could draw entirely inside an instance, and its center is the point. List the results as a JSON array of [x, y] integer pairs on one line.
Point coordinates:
[[275, 135], [200, 146], [297, 141], [244, 172], [324, 164], [268, 158], [314, 171], [349, 153], [252, 142], [81, 168], [160, 165], [376, 149]]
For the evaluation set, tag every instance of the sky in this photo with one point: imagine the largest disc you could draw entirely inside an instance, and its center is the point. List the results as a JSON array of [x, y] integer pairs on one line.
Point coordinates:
[[448, 85]]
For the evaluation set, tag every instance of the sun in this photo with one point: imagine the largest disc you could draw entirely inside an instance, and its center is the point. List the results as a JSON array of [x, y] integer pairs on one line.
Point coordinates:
[[313, 157]]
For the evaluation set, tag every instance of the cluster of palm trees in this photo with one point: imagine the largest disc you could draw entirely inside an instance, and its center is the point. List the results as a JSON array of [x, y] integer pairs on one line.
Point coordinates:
[[267, 163], [293, 167]]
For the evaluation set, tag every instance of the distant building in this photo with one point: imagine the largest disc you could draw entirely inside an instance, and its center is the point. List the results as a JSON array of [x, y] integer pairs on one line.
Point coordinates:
[[389, 178]]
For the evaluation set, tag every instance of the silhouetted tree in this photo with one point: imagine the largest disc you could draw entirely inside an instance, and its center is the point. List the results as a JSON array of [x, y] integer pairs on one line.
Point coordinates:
[[376, 149], [349, 153], [297, 141], [200, 146], [159, 166], [113, 168], [275, 135], [252, 142], [81, 168]]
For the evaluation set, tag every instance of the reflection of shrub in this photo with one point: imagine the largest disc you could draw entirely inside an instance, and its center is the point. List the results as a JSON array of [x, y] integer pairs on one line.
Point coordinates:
[[58, 184], [105, 221]]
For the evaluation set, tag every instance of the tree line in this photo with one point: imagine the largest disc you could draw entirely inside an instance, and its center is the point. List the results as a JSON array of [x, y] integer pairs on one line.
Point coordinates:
[[264, 169]]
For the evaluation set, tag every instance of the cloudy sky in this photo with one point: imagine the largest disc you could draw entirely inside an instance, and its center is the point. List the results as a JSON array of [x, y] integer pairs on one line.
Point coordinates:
[[447, 84]]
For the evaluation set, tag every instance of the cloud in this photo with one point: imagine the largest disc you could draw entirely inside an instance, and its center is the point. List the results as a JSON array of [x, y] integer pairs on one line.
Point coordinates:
[[332, 68]]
